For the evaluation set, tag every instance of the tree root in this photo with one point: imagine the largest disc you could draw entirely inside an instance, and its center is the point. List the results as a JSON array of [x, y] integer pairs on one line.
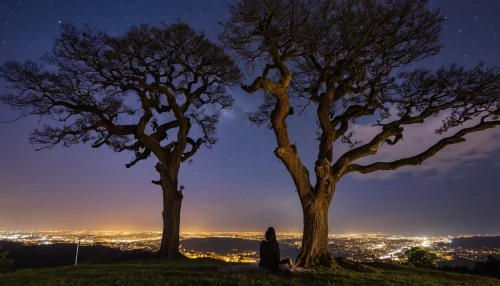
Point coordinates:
[[322, 260]]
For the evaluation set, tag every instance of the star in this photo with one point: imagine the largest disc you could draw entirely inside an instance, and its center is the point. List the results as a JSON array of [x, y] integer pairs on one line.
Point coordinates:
[[465, 37]]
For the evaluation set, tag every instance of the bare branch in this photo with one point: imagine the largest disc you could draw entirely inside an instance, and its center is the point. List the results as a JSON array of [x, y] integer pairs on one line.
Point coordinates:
[[139, 156], [207, 125], [95, 78], [342, 55], [264, 113], [420, 158], [14, 120], [195, 145], [467, 94]]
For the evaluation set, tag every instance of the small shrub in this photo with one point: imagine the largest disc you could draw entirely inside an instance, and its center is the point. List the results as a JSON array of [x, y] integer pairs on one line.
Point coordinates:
[[420, 257]]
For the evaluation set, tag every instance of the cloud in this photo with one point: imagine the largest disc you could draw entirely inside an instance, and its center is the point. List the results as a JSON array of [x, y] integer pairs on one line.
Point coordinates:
[[228, 114], [419, 137]]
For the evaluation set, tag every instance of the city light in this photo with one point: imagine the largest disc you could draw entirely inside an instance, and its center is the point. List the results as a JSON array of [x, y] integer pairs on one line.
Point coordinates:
[[356, 247]]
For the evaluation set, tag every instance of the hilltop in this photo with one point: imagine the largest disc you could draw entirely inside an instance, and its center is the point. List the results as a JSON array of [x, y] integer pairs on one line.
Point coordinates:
[[204, 272]]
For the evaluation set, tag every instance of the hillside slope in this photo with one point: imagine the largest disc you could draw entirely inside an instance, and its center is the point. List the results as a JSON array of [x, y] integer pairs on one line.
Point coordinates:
[[204, 272]]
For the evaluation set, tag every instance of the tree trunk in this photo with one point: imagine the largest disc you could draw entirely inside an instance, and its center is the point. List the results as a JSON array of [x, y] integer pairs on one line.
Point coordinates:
[[172, 200], [315, 251]]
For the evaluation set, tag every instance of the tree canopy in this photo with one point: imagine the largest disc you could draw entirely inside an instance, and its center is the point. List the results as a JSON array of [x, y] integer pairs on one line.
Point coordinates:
[[420, 257], [112, 90]]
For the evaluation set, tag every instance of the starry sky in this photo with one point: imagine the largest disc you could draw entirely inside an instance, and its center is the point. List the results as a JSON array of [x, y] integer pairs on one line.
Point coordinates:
[[239, 185]]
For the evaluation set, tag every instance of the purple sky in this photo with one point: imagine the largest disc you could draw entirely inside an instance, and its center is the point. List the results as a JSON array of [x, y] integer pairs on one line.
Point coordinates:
[[239, 185]]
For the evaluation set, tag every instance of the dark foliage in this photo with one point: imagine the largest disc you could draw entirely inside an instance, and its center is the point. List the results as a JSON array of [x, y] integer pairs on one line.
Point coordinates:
[[421, 257], [6, 264], [491, 268]]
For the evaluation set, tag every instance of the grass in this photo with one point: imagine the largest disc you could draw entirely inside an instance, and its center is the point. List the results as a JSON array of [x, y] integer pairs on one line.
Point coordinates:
[[204, 272]]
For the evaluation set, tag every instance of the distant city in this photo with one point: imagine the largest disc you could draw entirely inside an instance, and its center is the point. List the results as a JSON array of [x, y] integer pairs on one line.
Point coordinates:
[[244, 246]]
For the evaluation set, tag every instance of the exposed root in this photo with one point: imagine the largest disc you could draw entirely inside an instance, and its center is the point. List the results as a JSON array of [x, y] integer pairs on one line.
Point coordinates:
[[321, 260]]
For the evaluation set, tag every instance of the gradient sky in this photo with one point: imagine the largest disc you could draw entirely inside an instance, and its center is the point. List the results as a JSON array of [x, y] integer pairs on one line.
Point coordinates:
[[239, 185]]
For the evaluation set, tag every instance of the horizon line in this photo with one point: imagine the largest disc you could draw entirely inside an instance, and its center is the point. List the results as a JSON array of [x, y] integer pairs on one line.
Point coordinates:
[[236, 232]]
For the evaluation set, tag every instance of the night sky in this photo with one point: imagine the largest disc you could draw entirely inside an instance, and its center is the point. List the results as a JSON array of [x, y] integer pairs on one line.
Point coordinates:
[[239, 185]]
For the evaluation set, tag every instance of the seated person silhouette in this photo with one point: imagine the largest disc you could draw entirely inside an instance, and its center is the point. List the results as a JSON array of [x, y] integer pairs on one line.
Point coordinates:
[[270, 252]]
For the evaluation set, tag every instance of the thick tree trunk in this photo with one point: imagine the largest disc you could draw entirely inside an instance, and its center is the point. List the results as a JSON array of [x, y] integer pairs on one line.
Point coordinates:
[[172, 200], [315, 251]]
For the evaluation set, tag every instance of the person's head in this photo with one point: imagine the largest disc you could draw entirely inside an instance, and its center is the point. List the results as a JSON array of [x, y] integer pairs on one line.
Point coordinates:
[[270, 234]]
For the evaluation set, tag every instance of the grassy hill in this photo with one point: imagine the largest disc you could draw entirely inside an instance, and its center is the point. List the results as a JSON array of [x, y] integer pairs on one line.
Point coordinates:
[[204, 272]]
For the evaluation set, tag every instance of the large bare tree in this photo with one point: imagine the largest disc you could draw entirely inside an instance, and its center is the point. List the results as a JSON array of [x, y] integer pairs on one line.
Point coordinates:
[[141, 91], [352, 59]]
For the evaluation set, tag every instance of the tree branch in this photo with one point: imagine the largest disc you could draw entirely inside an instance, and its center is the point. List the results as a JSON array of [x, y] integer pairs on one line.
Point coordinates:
[[94, 80], [139, 156], [195, 145], [420, 158]]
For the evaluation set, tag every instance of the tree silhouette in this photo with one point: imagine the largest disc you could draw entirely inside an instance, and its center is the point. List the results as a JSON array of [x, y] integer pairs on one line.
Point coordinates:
[[140, 91], [420, 257], [351, 59]]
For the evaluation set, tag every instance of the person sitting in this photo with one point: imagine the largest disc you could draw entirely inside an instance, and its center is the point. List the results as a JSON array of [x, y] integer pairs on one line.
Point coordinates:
[[270, 252]]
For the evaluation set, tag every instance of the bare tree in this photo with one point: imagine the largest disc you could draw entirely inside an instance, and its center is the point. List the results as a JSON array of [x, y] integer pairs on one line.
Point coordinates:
[[351, 59], [140, 91]]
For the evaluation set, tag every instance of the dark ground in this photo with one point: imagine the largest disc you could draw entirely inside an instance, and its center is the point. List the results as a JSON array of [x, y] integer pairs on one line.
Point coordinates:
[[54, 255]]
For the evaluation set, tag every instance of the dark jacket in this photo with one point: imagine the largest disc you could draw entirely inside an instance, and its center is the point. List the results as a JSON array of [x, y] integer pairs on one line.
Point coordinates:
[[269, 255]]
